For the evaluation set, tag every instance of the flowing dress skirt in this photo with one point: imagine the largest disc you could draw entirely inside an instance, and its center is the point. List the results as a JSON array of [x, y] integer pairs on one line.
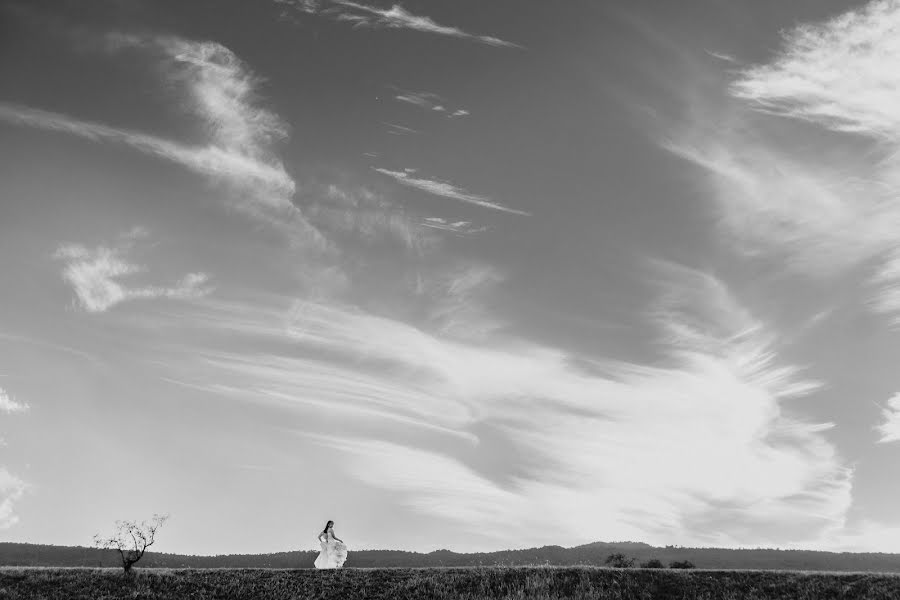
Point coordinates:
[[332, 556]]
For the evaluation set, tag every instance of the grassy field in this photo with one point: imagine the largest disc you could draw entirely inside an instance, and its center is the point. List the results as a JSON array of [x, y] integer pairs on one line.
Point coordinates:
[[518, 583]]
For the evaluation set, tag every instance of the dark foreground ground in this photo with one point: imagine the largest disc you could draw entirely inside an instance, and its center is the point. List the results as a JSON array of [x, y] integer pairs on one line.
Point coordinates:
[[477, 583]]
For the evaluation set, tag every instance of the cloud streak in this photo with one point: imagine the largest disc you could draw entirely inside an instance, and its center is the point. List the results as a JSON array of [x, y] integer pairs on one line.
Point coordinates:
[[221, 92], [838, 74], [823, 215], [458, 227], [821, 195], [826, 215], [215, 162], [96, 277], [12, 489], [240, 136], [395, 129], [425, 100], [9, 406], [457, 307], [396, 17], [447, 190], [468, 431], [890, 427], [363, 216], [430, 102]]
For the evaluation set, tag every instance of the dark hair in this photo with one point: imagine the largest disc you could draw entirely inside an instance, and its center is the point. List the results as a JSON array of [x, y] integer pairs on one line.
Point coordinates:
[[327, 525]]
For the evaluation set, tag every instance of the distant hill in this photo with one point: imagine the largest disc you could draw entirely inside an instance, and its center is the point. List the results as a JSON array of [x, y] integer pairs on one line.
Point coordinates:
[[15, 554]]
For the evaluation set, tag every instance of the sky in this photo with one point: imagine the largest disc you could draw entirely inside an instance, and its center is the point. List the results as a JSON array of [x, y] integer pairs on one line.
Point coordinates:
[[456, 275]]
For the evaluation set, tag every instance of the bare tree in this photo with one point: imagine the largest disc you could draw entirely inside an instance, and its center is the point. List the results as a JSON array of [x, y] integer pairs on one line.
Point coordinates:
[[131, 539]]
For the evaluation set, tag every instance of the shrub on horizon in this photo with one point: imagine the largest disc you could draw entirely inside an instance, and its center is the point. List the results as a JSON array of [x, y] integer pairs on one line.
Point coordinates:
[[619, 561], [653, 563]]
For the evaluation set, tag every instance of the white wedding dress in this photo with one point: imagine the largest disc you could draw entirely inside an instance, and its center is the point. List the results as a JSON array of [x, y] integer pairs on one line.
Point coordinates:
[[333, 553]]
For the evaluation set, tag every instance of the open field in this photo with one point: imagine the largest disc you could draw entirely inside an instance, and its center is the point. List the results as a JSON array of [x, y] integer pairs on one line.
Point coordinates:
[[479, 583]]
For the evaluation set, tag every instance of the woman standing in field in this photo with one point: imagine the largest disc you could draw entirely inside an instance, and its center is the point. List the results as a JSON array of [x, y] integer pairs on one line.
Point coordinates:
[[334, 552]]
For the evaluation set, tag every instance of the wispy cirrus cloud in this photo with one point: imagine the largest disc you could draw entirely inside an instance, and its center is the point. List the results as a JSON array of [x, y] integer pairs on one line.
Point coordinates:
[[225, 97], [238, 149], [355, 216], [890, 427], [420, 408], [723, 56], [12, 489], [51, 346], [803, 162], [699, 316], [304, 6], [430, 102], [456, 305], [396, 17], [425, 100], [96, 275], [447, 190], [215, 162], [358, 214], [771, 201], [9, 406], [460, 227], [838, 73], [395, 129], [826, 214], [221, 92]]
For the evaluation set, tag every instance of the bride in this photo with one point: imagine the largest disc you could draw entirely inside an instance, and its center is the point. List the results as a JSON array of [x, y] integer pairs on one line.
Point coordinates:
[[334, 552]]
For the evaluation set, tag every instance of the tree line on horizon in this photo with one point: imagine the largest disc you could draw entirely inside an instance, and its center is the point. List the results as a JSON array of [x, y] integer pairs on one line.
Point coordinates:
[[19, 554]]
